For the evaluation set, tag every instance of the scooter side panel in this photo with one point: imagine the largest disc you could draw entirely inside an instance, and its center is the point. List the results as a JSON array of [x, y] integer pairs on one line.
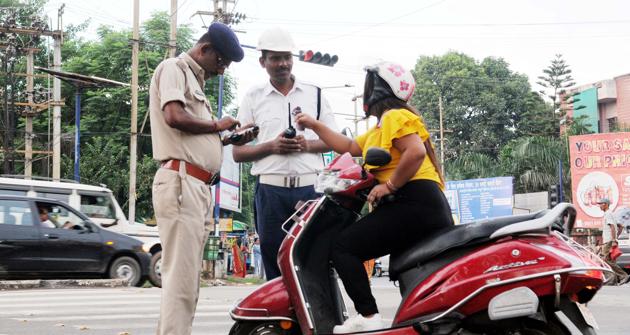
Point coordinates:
[[506, 259], [269, 301], [285, 262]]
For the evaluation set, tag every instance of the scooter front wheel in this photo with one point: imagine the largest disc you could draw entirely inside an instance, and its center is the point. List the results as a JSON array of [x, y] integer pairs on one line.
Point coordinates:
[[262, 328]]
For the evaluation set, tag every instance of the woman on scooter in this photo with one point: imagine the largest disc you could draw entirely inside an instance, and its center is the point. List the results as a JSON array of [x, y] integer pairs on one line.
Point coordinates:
[[413, 176]]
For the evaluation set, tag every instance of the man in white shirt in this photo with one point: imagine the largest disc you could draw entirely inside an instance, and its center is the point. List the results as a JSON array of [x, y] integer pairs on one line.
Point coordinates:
[[285, 163], [44, 219], [610, 232]]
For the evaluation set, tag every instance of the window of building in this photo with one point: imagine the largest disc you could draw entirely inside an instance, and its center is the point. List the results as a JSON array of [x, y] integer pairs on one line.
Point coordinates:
[[612, 124]]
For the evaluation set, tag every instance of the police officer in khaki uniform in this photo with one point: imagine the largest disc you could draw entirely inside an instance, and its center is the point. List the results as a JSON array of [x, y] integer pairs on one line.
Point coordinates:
[[187, 143]]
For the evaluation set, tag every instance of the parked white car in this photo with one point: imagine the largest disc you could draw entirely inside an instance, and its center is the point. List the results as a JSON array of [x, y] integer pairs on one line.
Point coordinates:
[[96, 202]]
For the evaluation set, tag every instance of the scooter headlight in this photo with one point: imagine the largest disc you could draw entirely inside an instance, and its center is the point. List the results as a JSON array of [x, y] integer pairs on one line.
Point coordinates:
[[329, 182]]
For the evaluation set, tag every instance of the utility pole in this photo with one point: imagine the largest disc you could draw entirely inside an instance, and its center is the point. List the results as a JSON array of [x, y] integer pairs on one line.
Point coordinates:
[[57, 103], [28, 136], [172, 42], [6, 143], [16, 45], [133, 145], [5, 96], [219, 16]]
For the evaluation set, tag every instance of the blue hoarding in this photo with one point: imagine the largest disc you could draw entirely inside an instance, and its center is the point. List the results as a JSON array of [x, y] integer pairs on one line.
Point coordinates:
[[476, 199]]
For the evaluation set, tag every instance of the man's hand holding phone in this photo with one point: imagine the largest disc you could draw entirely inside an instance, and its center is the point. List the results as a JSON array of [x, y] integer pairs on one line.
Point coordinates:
[[242, 135]]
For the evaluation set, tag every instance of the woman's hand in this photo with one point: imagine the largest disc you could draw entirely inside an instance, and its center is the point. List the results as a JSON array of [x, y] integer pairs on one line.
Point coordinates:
[[305, 121], [377, 193]]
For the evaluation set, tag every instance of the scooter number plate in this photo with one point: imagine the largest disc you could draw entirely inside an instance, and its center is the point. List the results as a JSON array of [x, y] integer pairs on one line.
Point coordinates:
[[588, 316]]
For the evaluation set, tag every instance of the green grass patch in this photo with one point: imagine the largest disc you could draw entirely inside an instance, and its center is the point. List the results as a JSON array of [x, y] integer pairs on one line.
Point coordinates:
[[245, 281]]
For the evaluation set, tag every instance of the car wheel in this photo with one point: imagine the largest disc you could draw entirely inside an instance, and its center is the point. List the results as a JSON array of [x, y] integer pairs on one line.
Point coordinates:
[[155, 270], [126, 268]]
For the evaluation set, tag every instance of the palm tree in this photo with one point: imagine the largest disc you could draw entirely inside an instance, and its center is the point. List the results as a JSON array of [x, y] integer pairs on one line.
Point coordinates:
[[473, 165], [533, 161]]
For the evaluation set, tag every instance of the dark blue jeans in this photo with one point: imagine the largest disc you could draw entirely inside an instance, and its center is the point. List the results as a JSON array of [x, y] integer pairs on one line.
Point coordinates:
[[274, 205]]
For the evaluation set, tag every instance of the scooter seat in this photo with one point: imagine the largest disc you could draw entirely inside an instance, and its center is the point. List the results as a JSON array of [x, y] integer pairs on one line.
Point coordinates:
[[451, 238]]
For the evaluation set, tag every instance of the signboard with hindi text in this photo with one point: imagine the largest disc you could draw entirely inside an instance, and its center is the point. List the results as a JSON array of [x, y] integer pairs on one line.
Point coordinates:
[[475, 199]]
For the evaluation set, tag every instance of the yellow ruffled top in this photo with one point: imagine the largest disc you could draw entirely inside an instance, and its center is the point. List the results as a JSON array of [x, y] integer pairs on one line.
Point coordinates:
[[397, 123]]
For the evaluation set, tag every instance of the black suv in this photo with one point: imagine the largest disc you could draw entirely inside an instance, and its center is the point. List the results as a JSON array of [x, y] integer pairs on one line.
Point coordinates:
[[45, 238]]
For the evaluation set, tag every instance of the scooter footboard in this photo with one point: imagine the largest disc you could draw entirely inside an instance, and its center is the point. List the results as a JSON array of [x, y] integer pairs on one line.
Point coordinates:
[[269, 302]]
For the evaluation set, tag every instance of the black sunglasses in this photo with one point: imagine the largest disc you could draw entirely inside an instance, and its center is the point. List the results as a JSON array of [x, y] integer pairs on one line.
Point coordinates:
[[220, 61]]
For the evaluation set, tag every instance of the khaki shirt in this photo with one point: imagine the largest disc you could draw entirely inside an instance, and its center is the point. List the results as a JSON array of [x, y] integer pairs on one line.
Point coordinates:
[[182, 79]]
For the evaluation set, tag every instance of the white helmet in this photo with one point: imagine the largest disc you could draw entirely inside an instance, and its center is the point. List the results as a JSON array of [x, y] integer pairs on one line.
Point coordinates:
[[399, 80], [387, 79], [276, 39]]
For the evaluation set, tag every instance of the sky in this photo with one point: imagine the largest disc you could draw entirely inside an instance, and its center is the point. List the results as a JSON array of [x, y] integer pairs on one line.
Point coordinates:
[[592, 36]]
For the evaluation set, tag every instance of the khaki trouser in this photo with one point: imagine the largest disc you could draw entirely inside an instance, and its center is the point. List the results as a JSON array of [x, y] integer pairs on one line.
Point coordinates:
[[182, 206], [620, 275]]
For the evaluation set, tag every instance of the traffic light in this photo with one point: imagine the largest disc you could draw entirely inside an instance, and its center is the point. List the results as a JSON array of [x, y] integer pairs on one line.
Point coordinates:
[[554, 195], [318, 58]]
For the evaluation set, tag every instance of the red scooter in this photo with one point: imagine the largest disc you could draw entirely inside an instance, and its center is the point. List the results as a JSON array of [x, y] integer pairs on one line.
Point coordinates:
[[510, 275]]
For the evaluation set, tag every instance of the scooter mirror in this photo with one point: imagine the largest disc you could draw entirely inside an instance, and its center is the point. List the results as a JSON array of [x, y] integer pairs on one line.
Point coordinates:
[[376, 156], [569, 220], [566, 221]]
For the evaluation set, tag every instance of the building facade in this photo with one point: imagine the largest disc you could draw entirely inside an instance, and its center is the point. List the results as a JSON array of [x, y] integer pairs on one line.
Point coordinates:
[[604, 105]]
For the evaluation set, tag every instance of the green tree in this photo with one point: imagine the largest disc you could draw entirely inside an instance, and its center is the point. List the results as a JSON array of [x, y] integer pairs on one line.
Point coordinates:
[[533, 161], [20, 14], [472, 165], [105, 118], [556, 81], [248, 184], [485, 103]]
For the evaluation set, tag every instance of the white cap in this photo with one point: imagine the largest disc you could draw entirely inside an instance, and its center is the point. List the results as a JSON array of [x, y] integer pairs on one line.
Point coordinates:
[[276, 39]]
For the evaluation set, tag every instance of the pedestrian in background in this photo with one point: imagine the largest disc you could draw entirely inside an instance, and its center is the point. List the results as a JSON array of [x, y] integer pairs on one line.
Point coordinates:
[[187, 144], [610, 232], [257, 259], [285, 162]]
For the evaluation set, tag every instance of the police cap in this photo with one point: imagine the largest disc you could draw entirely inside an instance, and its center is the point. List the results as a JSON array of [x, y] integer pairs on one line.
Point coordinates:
[[225, 41]]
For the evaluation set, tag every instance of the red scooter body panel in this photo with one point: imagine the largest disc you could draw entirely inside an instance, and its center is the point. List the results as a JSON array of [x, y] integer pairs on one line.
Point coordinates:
[[505, 259], [285, 262], [465, 285], [272, 300], [269, 301]]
